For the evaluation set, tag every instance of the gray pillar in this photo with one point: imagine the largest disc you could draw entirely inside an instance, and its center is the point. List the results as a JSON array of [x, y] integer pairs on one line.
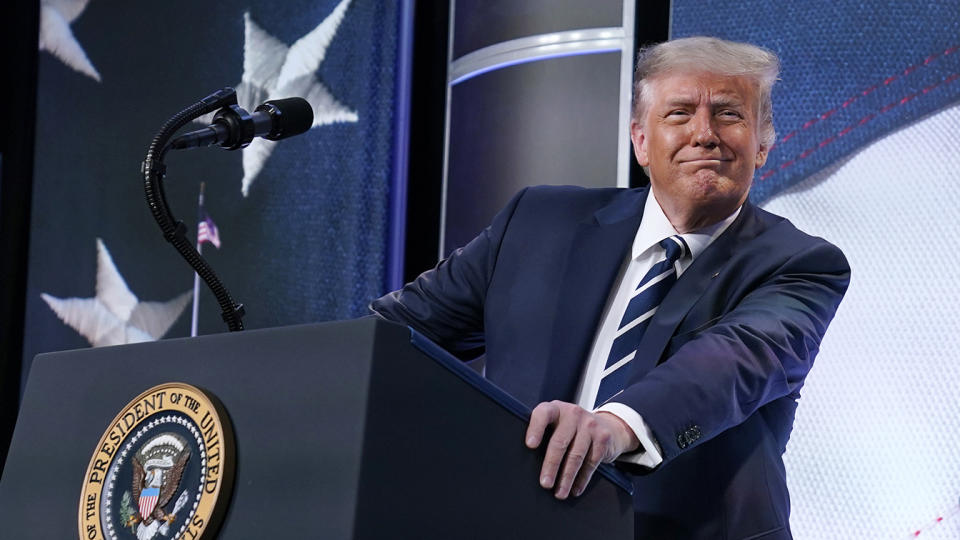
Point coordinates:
[[538, 92]]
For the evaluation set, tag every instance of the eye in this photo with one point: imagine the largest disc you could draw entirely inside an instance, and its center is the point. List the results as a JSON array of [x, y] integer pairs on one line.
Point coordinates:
[[729, 113]]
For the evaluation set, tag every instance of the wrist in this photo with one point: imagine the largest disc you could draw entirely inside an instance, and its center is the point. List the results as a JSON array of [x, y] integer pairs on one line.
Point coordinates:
[[625, 434]]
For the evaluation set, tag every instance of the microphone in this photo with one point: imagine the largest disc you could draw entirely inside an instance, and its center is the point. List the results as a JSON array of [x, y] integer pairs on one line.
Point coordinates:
[[234, 128]]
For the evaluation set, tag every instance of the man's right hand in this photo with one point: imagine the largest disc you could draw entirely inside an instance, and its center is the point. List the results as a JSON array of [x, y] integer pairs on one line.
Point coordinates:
[[580, 442]]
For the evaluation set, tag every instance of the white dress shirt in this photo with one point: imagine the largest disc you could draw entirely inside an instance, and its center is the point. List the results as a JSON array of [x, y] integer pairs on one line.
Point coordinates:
[[646, 252]]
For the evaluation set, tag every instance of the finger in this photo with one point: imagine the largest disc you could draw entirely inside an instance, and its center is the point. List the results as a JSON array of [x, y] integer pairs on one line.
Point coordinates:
[[590, 464], [561, 438], [576, 454], [542, 416]]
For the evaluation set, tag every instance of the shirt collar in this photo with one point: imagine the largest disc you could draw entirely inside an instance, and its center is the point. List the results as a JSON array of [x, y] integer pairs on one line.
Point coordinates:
[[655, 226]]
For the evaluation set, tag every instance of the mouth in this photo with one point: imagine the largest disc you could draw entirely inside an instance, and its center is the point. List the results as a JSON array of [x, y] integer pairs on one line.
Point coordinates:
[[705, 162]]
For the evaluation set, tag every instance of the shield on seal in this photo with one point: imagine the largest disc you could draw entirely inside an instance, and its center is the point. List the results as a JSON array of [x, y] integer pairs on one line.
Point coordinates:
[[148, 501]]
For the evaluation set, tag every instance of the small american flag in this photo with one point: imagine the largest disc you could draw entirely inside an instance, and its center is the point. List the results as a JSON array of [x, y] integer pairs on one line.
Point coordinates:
[[207, 232]]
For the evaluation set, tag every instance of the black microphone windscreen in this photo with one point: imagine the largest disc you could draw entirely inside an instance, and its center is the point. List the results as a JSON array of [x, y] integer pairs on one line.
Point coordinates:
[[291, 116]]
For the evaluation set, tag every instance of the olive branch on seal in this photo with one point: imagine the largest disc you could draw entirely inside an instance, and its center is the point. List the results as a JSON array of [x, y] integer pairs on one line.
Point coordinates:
[[127, 514]]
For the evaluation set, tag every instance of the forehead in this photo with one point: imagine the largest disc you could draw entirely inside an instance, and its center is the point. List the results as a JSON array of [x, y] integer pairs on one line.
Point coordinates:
[[696, 87]]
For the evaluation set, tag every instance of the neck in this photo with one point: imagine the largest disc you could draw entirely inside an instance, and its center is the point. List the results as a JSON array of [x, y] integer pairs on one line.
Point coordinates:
[[687, 218]]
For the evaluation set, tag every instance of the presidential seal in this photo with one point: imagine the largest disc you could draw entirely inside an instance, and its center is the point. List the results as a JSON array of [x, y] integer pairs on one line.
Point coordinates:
[[163, 469]]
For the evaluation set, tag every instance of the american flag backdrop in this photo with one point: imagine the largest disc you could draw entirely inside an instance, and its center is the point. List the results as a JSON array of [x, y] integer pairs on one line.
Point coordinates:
[[307, 217], [867, 113]]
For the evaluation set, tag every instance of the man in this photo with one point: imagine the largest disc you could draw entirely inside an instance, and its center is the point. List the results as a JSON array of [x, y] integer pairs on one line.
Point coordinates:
[[668, 329]]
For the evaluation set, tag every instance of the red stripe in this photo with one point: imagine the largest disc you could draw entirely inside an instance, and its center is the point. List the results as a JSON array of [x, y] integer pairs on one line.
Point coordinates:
[[868, 91], [949, 79], [147, 505]]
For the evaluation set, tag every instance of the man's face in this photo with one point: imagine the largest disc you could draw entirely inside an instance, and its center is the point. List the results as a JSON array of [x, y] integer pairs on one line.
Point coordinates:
[[699, 138]]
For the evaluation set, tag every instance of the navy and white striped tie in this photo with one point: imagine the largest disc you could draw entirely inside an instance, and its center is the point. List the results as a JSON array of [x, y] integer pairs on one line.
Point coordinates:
[[646, 298]]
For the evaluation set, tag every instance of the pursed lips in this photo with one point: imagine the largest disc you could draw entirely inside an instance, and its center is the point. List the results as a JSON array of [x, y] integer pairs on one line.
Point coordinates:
[[705, 161]]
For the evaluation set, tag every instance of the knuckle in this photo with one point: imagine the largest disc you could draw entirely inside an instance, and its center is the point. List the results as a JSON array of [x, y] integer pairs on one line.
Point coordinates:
[[559, 441], [604, 440], [550, 467], [565, 408]]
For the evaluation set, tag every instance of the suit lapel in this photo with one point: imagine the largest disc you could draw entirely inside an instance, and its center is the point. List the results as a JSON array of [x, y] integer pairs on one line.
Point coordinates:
[[690, 287], [596, 255]]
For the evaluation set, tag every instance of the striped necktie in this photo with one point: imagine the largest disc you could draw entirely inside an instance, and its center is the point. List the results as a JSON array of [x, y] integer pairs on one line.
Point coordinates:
[[646, 298]]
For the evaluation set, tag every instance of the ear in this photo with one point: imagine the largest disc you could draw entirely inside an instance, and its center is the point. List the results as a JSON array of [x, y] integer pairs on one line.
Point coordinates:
[[761, 157], [639, 143]]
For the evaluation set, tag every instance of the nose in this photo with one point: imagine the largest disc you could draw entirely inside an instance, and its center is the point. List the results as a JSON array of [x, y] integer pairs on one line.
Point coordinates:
[[704, 133]]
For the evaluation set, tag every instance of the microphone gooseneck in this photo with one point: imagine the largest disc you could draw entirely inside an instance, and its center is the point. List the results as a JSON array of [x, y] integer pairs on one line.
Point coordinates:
[[232, 128]]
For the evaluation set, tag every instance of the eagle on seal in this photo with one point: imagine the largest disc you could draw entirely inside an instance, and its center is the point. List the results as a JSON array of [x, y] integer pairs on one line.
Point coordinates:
[[157, 470]]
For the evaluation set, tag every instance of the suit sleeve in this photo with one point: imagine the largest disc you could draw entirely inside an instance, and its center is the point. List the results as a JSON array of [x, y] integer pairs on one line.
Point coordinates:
[[758, 352], [446, 303]]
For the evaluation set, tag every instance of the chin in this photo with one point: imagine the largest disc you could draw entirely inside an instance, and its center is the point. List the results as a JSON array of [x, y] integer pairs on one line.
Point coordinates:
[[710, 189], [708, 183]]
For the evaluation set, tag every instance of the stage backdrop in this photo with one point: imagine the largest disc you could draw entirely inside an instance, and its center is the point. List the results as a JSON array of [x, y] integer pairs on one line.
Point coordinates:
[[867, 114], [302, 225]]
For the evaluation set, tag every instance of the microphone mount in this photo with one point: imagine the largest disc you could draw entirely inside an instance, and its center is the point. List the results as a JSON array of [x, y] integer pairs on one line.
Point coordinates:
[[233, 127], [174, 231]]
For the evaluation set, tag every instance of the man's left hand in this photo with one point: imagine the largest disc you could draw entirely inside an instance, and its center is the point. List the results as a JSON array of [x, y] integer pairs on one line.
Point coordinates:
[[581, 441]]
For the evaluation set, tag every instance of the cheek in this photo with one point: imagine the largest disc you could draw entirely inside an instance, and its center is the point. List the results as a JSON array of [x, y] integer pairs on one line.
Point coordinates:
[[663, 150]]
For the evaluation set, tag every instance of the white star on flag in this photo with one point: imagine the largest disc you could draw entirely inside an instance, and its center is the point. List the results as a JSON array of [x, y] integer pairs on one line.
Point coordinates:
[[56, 36], [115, 316], [272, 70]]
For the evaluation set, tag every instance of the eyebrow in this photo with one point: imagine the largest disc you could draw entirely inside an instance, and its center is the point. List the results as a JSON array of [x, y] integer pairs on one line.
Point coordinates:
[[726, 101], [717, 101]]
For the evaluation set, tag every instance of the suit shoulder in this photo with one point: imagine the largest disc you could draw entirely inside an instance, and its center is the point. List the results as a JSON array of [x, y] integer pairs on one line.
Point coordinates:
[[572, 192], [571, 198]]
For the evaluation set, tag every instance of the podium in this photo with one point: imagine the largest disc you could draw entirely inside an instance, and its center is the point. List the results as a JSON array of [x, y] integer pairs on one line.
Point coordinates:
[[345, 430]]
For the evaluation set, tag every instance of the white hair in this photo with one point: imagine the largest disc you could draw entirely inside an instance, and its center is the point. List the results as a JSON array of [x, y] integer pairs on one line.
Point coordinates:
[[711, 55]]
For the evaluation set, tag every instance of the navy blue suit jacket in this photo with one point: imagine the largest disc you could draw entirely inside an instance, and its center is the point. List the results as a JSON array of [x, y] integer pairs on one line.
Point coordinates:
[[717, 372]]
